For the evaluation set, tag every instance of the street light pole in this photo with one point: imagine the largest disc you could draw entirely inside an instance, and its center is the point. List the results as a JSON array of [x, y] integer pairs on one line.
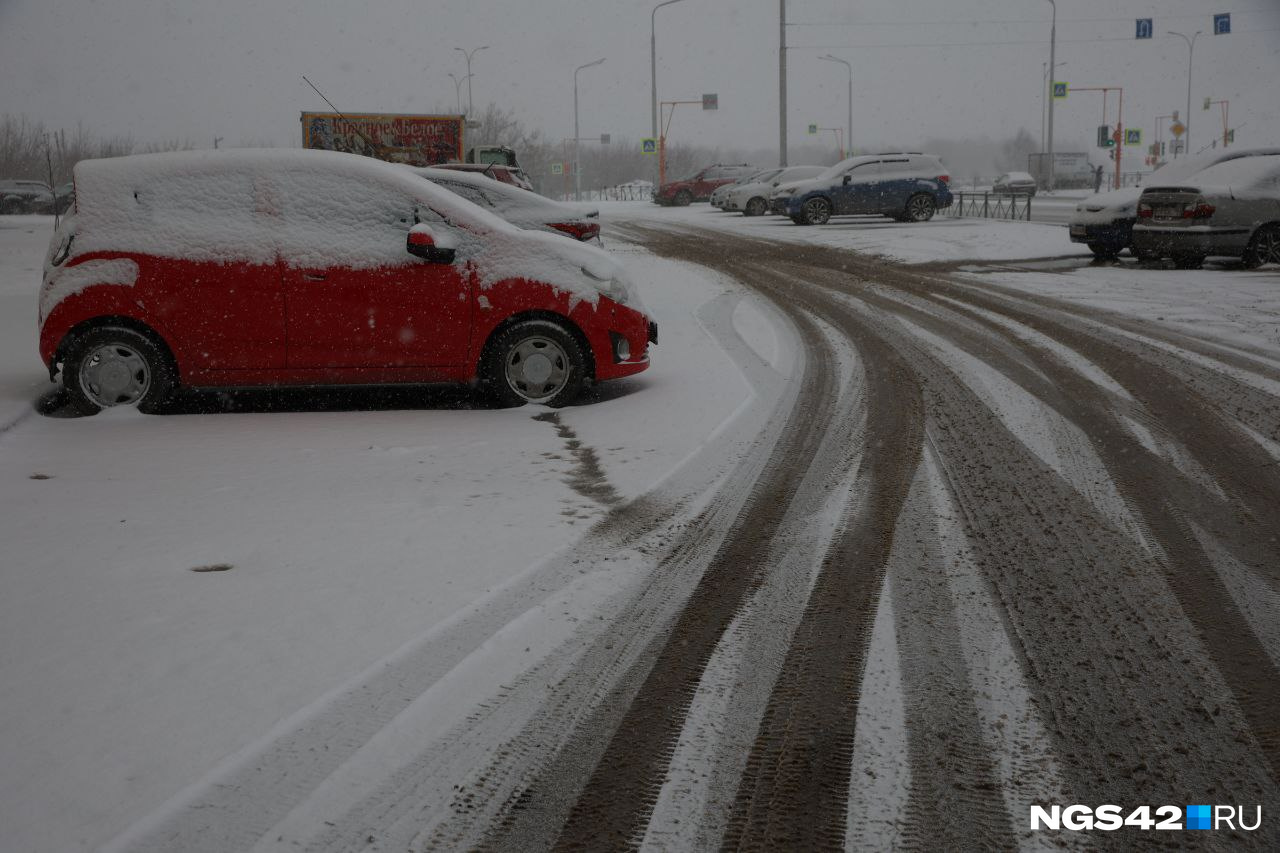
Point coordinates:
[[468, 54], [1053, 41], [653, 62], [849, 133], [577, 172], [1186, 121], [782, 83], [457, 87]]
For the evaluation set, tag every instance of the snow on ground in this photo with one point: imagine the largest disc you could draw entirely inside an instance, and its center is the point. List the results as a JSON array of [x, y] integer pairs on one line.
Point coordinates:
[[944, 238], [355, 526], [127, 671]]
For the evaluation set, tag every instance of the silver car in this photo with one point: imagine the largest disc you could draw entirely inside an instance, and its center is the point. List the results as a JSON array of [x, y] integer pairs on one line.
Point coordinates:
[[752, 196], [1230, 209]]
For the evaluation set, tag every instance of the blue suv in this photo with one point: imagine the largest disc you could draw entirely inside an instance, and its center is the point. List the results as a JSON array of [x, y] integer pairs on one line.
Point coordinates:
[[907, 187]]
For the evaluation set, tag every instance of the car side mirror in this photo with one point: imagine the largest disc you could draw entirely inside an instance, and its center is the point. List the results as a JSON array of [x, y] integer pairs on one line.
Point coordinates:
[[848, 179], [422, 242]]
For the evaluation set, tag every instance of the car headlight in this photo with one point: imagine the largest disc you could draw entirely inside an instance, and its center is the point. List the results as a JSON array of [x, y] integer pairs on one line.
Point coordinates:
[[614, 287]]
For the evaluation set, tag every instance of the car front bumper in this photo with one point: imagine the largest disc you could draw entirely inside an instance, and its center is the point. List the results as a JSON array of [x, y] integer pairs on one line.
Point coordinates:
[[1166, 241]]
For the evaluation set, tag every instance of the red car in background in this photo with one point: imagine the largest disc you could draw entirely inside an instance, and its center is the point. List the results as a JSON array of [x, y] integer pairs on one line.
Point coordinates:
[[700, 185], [268, 268]]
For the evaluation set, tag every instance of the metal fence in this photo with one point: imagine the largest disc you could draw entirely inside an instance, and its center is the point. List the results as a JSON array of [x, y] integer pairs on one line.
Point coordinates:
[[989, 205]]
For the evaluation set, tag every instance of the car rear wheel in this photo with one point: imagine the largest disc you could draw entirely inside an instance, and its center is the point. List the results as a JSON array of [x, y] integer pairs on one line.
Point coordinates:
[[682, 199], [1264, 247], [534, 361], [1104, 251], [816, 211], [112, 366], [921, 207], [756, 207]]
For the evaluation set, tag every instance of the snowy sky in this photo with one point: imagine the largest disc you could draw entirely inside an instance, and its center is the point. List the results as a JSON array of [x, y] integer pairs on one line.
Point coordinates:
[[166, 69]]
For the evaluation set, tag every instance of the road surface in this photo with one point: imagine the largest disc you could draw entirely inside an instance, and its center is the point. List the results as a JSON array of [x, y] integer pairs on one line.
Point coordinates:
[[990, 550]]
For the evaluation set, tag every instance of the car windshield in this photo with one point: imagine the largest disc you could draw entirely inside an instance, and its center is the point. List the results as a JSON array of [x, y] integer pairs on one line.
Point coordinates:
[[434, 426]]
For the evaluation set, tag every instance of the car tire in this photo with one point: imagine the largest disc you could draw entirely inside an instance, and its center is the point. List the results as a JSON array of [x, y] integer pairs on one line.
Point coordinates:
[[756, 207], [1264, 247], [114, 366], [1104, 251], [534, 361], [1188, 262], [816, 211], [799, 219], [920, 208], [682, 198]]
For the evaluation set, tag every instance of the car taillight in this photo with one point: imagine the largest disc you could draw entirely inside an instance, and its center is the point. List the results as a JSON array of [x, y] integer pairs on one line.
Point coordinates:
[[1145, 211], [946, 179], [578, 230], [1203, 210]]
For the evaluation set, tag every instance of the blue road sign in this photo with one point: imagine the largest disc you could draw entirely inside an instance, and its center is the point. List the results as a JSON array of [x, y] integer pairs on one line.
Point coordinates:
[[1059, 90], [1221, 24], [648, 146], [1144, 28]]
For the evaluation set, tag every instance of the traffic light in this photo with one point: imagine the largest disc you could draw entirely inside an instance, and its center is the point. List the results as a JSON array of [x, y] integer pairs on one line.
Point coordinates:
[[1104, 137]]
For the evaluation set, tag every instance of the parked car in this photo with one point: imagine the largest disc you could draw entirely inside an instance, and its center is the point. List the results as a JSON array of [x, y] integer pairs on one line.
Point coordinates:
[[1014, 183], [752, 197], [908, 187], [302, 267], [521, 208], [1231, 209], [1105, 221], [25, 197], [700, 185], [506, 174], [63, 197], [721, 193]]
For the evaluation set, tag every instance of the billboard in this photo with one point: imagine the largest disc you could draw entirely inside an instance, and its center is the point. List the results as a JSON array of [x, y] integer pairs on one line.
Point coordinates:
[[419, 140]]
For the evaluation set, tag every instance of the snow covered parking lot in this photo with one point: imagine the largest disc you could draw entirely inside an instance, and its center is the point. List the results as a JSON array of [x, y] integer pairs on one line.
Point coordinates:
[[432, 611]]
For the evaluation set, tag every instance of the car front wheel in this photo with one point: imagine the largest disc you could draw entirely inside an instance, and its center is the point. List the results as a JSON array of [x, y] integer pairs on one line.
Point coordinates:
[[534, 361], [920, 208], [682, 199], [756, 207], [112, 366], [816, 211], [1264, 247]]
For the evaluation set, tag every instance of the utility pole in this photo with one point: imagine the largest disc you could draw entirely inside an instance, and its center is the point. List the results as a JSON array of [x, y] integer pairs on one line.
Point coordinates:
[[782, 83], [653, 66], [457, 88], [1053, 41]]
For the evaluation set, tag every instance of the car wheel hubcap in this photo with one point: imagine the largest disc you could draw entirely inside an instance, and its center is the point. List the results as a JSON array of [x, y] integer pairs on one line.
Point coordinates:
[[919, 208], [537, 369], [1269, 246], [115, 375], [817, 211]]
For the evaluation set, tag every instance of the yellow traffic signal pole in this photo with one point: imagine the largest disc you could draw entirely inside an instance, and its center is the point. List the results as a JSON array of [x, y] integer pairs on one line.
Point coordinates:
[[1226, 105], [662, 137], [1118, 136]]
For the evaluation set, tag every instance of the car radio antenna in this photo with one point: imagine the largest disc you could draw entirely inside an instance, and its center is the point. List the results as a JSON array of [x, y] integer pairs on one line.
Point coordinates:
[[373, 145]]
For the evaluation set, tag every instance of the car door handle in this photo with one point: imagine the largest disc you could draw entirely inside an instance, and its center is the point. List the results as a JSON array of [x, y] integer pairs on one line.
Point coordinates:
[[313, 276]]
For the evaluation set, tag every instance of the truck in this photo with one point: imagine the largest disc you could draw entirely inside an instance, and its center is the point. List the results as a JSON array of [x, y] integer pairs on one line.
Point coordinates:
[[416, 140]]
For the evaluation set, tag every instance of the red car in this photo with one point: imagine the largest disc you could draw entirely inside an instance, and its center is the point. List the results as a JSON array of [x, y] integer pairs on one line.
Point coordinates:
[[700, 185], [267, 268], [513, 175]]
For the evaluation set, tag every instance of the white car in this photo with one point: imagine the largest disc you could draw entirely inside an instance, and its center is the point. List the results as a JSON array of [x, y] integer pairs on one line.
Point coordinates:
[[1105, 221], [522, 208], [752, 197], [721, 193]]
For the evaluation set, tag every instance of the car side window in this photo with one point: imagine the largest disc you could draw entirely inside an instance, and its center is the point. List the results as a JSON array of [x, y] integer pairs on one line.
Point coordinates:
[[337, 220], [206, 216], [863, 172], [896, 168]]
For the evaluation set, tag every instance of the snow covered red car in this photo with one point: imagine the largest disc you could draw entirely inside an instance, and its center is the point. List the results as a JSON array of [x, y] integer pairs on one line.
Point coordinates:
[[267, 268]]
